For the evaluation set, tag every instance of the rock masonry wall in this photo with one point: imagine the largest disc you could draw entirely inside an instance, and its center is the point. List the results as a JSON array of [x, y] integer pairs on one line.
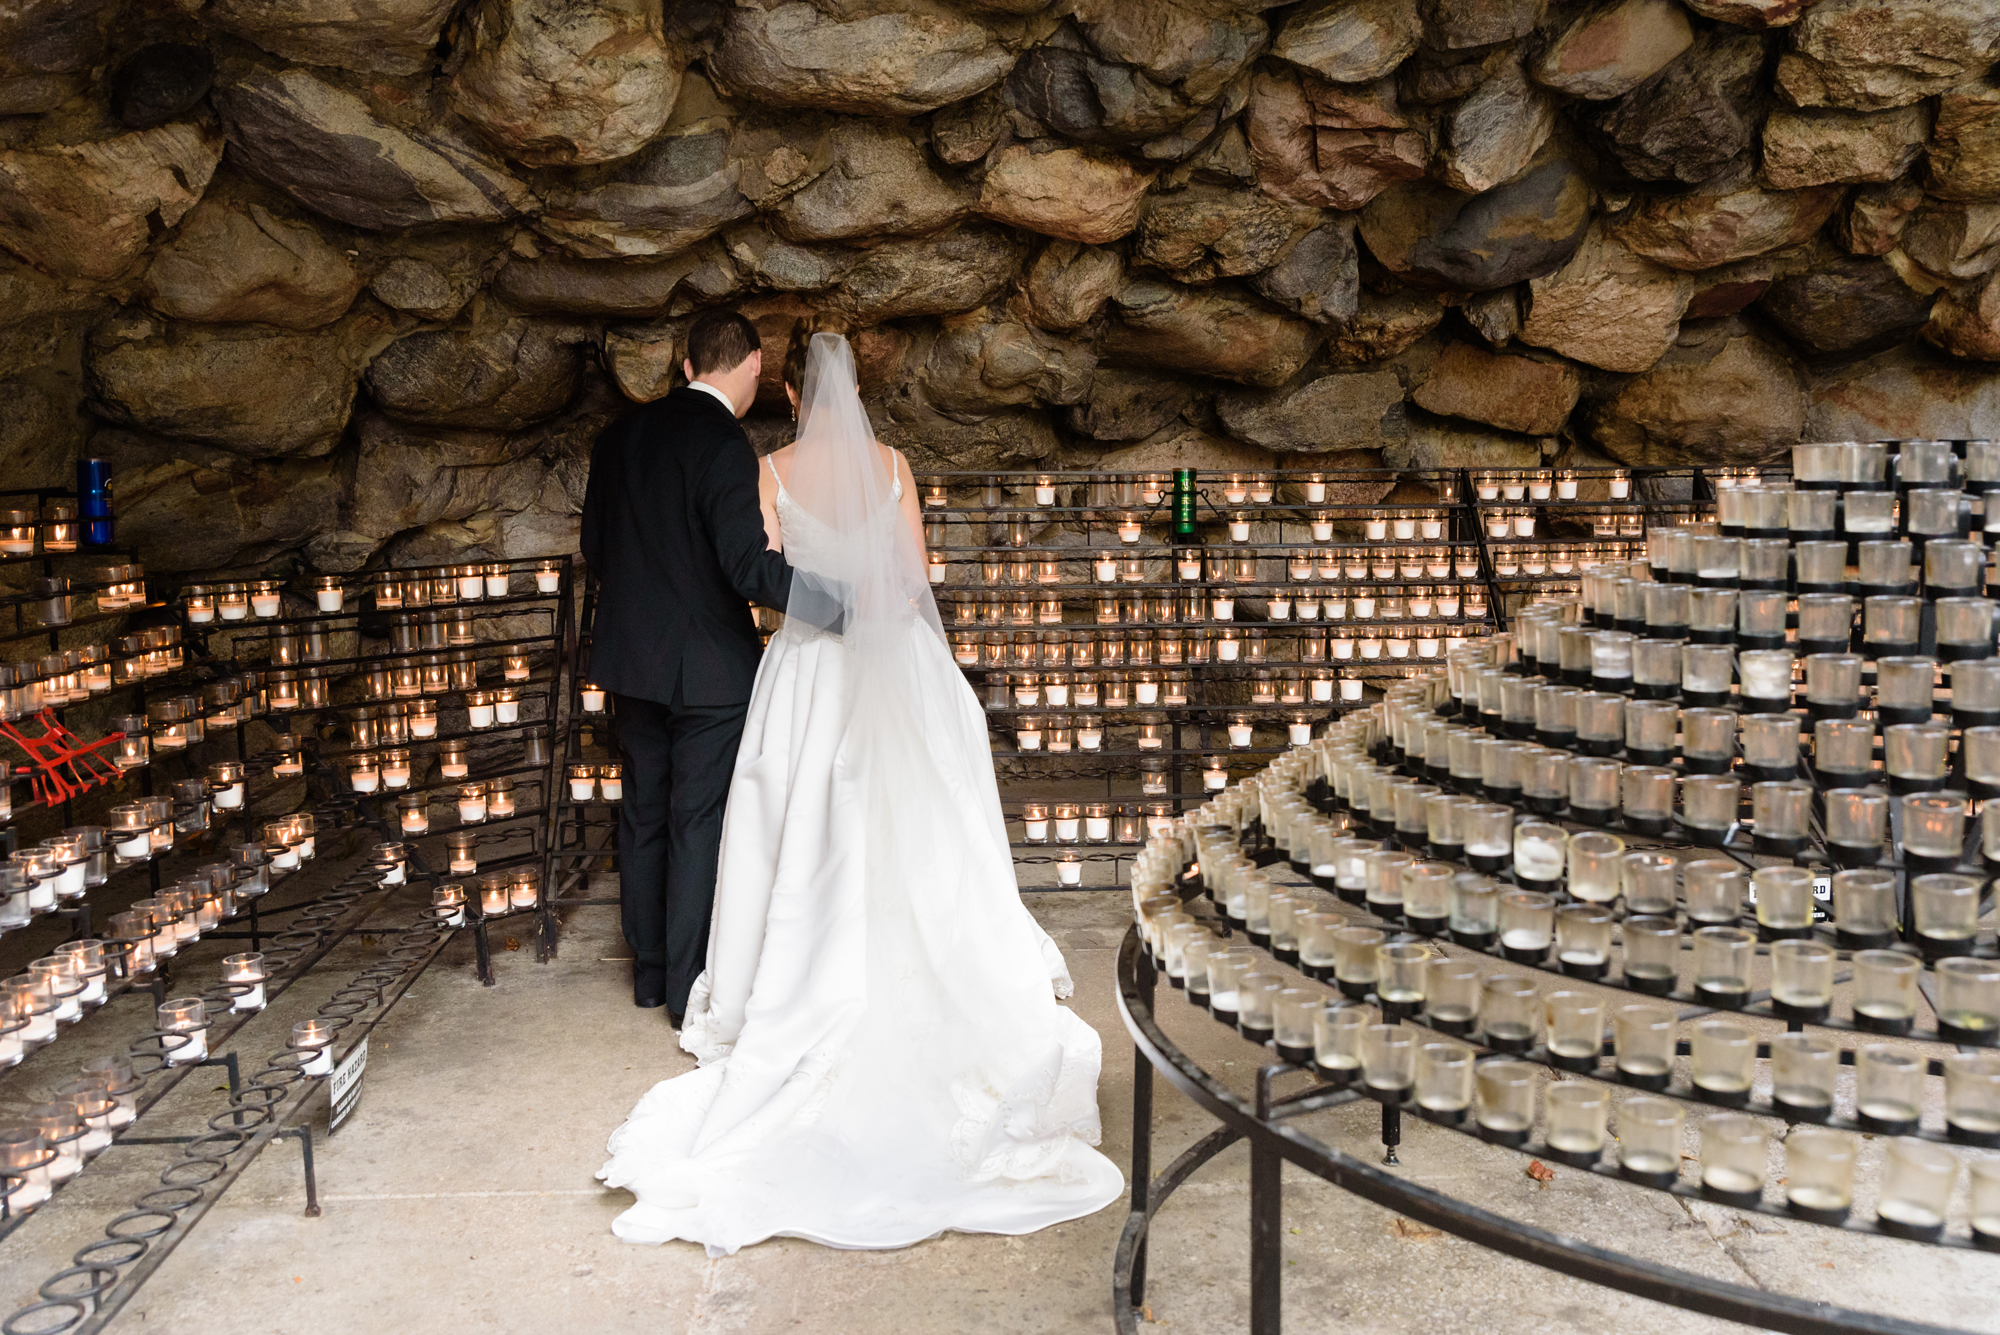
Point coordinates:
[[359, 280]]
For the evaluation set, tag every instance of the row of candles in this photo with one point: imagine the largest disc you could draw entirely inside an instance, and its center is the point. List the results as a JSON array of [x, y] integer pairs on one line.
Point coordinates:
[[1167, 607], [1301, 568], [71, 675], [54, 525], [57, 600], [1263, 487], [263, 599]]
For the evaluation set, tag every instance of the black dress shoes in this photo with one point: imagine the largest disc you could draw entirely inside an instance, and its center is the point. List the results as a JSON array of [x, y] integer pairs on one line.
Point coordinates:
[[674, 1019], [649, 985]]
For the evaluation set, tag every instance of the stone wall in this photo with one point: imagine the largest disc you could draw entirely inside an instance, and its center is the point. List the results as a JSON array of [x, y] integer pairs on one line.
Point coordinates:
[[358, 280]]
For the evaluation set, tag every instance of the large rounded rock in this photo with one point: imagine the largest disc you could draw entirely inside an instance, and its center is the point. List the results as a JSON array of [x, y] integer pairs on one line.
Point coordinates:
[[46, 50], [1459, 25], [1523, 229], [1607, 307], [499, 375], [1751, 13], [1428, 443], [1205, 233], [427, 475], [1906, 393], [251, 514], [1309, 147], [936, 275], [1349, 42], [1966, 321], [1872, 222], [558, 83], [1067, 192], [1815, 146], [560, 285], [1524, 394], [88, 210], [1492, 136], [1326, 413], [1723, 396], [976, 367], [1703, 229], [1963, 161], [1130, 404], [1847, 305], [1069, 283], [329, 150], [933, 440], [1615, 47], [372, 36], [1319, 276], [248, 389], [1206, 332], [684, 188], [411, 284], [160, 83], [1954, 241], [236, 263], [1385, 326], [876, 182], [889, 64], [1691, 119], [1197, 50], [1083, 98], [1873, 54]]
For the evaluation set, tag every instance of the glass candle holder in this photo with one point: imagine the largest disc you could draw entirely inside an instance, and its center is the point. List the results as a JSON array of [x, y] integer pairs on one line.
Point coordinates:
[[1652, 954], [1857, 821], [1946, 912], [1451, 995], [1539, 853], [1708, 739], [1917, 1181], [1885, 990], [1338, 1029], [1968, 1000], [1819, 1174], [1649, 731], [1509, 1015], [1642, 1040], [1527, 924], [1583, 940], [1706, 671], [1826, 624], [186, 1016], [1596, 865], [1801, 978], [1888, 1089], [1735, 1154], [1506, 1091], [1475, 909], [1933, 827], [1722, 959], [1724, 1061], [1444, 1080], [1708, 805], [1575, 1028], [1577, 1113], [1399, 978], [1646, 798], [1649, 1139], [1972, 1097], [1389, 1060], [1784, 898], [1354, 959], [1843, 752], [1764, 678]]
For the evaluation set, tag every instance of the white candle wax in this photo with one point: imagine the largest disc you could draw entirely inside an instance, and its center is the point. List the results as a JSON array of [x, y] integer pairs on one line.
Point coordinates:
[[424, 725], [366, 780], [1302, 733], [321, 1062], [1066, 829], [1056, 744], [1128, 533], [1350, 689], [396, 776], [1322, 530], [1045, 495], [613, 789], [329, 599], [479, 716], [935, 568], [470, 587], [463, 866], [472, 810], [965, 655], [264, 604], [253, 1000], [453, 769], [1106, 571], [582, 790], [1151, 743], [1227, 651], [1235, 495], [1377, 529], [1524, 526], [229, 798], [456, 918], [496, 586], [1239, 530], [69, 1008], [593, 701], [547, 581], [1307, 608], [1146, 692], [1225, 609], [41, 1028], [132, 849], [307, 847], [1057, 692], [1405, 529], [288, 768], [507, 711], [513, 672], [1322, 691], [1239, 734], [1069, 873], [189, 1052], [1315, 492], [1281, 609], [1214, 780], [393, 876], [286, 858], [93, 989], [1538, 491], [1190, 569], [1030, 739], [1028, 697], [202, 614], [235, 611], [1621, 488], [1566, 489], [1090, 739], [1086, 695], [1036, 831], [1097, 829]]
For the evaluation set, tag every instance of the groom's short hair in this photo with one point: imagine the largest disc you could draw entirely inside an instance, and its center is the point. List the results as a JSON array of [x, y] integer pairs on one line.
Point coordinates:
[[720, 340]]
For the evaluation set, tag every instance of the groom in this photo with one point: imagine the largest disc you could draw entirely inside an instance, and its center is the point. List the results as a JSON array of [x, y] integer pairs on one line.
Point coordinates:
[[672, 529]]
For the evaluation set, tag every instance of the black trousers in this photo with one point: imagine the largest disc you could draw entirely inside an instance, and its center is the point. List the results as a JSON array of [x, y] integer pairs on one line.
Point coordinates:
[[678, 762]]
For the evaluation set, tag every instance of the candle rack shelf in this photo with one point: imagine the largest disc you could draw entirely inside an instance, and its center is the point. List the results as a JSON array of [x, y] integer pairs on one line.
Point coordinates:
[[1660, 846]]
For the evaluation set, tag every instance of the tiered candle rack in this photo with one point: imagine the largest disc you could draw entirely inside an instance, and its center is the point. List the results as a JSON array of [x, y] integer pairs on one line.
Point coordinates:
[[1362, 831]]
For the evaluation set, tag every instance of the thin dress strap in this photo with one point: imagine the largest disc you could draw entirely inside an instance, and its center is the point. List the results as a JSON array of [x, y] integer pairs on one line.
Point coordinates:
[[772, 464]]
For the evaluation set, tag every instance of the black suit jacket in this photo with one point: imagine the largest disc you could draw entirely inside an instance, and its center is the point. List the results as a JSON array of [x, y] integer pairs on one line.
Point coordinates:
[[672, 530]]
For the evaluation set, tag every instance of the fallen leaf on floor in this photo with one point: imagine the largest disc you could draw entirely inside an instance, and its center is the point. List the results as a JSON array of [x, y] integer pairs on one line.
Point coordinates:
[[1295, 1230], [1146, 1311], [1540, 1171], [368, 941], [1413, 1231], [511, 944]]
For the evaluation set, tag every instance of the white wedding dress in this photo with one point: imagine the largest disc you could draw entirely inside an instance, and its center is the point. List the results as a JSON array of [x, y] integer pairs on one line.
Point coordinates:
[[882, 1057]]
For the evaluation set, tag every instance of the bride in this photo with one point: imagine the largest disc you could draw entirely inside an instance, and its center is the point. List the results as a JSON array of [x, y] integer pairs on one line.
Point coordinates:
[[881, 1053]]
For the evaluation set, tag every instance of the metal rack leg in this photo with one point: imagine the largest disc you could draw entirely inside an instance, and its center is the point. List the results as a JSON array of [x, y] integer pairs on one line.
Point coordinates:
[[483, 945], [1266, 1239], [1142, 1162], [305, 1135]]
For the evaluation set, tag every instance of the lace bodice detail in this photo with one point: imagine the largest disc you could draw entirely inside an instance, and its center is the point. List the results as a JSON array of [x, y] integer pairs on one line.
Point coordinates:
[[798, 527]]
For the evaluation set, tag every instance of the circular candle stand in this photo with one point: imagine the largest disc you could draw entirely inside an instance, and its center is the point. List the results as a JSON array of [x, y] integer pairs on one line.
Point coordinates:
[[1390, 862]]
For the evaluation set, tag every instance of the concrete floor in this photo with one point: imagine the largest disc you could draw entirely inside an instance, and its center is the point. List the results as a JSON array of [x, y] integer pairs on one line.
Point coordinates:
[[460, 1197]]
